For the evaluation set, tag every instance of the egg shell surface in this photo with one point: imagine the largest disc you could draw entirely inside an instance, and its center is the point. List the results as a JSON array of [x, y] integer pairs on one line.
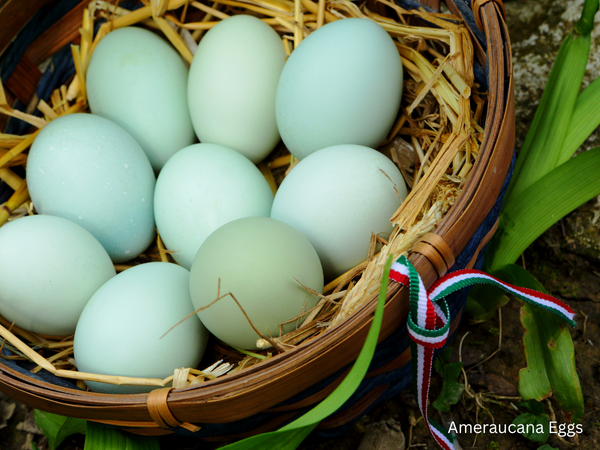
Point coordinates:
[[201, 188], [258, 260], [138, 80], [337, 197], [50, 269], [232, 84], [119, 331], [89, 170], [342, 85]]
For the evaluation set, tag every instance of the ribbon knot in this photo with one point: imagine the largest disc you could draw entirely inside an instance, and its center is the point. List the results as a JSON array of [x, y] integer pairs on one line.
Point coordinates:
[[429, 323]]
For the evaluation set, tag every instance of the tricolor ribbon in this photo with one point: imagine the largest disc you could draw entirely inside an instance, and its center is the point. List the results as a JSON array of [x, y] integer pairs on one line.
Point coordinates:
[[429, 323]]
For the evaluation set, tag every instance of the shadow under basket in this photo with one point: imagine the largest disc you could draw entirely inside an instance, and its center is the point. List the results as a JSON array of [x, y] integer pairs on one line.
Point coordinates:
[[268, 395]]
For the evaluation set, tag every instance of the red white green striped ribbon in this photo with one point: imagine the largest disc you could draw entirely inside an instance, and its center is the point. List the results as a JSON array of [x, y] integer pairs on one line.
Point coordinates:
[[429, 323]]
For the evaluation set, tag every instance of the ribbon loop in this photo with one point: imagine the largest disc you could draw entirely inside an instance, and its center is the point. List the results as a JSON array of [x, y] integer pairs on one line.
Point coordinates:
[[429, 323]]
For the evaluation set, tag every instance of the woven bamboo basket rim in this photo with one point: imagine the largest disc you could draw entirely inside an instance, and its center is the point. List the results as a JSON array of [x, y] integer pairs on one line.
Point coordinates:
[[454, 230]]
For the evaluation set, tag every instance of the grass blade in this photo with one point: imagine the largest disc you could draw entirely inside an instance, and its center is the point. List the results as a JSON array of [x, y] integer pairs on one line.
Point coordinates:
[[527, 216], [102, 438], [585, 118], [57, 428], [542, 150]]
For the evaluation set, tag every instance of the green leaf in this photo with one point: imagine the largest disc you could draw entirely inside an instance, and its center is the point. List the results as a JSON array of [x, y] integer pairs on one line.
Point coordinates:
[[536, 427], [585, 118], [546, 447], [100, 437], [484, 300], [291, 435], [549, 352], [57, 428], [452, 390], [542, 150], [533, 406], [545, 202]]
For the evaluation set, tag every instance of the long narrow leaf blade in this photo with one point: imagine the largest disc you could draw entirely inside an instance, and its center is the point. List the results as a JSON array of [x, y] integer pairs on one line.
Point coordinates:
[[546, 201], [57, 428], [291, 435], [541, 151], [99, 437], [585, 118]]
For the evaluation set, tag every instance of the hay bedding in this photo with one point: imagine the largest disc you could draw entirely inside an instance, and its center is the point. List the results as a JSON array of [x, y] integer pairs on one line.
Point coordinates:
[[434, 142]]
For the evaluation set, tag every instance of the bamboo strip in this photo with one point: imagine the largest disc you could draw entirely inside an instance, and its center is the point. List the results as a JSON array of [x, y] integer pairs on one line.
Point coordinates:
[[207, 9], [32, 120], [10, 140], [175, 39], [3, 100], [19, 160], [47, 110], [79, 71], [314, 8], [258, 9], [10, 178], [299, 23]]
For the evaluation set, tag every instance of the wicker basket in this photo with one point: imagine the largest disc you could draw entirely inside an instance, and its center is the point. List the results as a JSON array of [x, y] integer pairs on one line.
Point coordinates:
[[268, 395]]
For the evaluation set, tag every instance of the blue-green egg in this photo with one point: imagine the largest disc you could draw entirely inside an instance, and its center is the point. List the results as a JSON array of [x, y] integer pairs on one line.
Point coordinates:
[[87, 169]]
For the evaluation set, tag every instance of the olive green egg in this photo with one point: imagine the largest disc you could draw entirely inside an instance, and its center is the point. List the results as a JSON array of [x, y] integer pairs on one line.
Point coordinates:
[[263, 263]]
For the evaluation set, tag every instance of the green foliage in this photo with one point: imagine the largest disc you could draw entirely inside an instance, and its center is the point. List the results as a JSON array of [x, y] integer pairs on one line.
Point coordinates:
[[536, 419], [549, 352], [57, 428], [526, 216], [100, 437], [547, 447], [484, 300], [547, 184], [543, 148], [452, 390]]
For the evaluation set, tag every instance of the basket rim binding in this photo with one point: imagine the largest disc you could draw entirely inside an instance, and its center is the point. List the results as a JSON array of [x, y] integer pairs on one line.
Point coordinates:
[[466, 214]]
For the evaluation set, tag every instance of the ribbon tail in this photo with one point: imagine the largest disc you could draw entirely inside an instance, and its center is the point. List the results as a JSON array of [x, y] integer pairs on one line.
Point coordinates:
[[464, 278], [429, 324]]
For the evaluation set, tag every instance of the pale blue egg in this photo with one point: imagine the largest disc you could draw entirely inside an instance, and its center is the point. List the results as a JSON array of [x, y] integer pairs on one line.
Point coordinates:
[[50, 269], [337, 197], [87, 169], [201, 188], [120, 331], [342, 85], [232, 85], [138, 80]]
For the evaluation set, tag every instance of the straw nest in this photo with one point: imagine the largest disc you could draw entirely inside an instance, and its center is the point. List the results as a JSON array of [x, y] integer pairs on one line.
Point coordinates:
[[434, 142]]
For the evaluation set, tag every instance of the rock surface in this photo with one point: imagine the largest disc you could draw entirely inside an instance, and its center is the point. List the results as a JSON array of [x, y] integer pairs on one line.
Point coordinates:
[[384, 435]]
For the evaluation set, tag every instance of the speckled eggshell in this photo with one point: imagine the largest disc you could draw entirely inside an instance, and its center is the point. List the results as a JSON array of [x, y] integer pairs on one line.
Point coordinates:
[[138, 80], [87, 169], [201, 188], [119, 331], [337, 197], [232, 85], [342, 85], [50, 268], [258, 260]]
